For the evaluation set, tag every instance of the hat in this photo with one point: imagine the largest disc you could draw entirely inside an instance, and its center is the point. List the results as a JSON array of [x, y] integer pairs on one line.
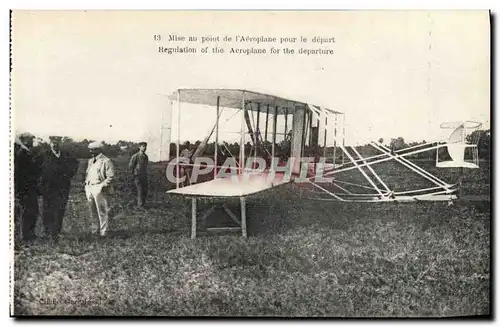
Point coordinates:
[[26, 135], [96, 145]]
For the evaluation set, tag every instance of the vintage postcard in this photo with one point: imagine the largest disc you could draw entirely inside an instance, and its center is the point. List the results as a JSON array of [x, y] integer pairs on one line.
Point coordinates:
[[251, 163]]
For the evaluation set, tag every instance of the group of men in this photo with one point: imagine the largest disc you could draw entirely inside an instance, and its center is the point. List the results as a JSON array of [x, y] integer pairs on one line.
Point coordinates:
[[49, 175]]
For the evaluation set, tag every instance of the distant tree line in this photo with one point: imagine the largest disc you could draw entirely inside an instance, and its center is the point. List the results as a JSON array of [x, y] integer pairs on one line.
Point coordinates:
[[79, 149]]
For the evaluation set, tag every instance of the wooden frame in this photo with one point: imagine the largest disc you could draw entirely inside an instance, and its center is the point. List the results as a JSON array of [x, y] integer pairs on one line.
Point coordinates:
[[242, 222]]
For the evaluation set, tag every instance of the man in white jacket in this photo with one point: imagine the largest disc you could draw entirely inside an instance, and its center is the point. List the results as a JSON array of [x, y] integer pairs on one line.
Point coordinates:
[[100, 173]]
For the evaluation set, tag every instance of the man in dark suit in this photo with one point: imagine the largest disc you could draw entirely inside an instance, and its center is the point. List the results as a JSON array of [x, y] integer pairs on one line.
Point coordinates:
[[58, 167], [26, 174], [138, 167]]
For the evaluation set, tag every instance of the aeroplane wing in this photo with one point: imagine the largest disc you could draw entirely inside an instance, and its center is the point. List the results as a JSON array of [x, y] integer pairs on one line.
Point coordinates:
[[234, 186]]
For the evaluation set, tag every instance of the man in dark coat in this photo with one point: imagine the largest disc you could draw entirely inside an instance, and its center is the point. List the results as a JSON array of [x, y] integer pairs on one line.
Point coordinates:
[[58, 167], [138, 167], [26, 174]]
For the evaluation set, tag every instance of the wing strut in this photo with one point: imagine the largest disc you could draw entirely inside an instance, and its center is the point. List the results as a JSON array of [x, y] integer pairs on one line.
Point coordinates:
[[201, 147]]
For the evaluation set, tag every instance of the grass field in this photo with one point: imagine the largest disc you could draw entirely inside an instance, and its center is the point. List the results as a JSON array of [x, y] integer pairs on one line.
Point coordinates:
[[302, 258]]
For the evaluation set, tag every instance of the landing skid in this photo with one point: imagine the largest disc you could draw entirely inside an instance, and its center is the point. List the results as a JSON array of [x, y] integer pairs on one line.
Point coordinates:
[[406, 198]]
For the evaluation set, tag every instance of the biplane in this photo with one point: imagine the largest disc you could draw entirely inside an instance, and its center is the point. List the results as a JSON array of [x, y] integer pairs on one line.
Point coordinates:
[[307, 148]]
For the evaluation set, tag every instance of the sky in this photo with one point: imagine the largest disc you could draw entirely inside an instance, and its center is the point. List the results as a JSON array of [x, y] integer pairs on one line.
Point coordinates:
[[99, 75]]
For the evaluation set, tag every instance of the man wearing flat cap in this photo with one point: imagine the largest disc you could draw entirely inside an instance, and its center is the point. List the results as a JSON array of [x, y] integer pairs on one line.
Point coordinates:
[[26, 174], [138, 167], [58, 167], [99, 175]]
